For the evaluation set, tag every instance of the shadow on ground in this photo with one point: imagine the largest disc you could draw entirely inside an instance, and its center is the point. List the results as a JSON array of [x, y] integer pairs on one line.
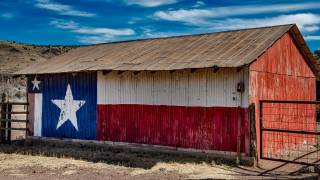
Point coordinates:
[[143, 158], [123, 156]]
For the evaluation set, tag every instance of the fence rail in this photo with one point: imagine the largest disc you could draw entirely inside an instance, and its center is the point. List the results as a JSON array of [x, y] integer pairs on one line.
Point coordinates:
[[10, 121], [14, 103], [13, 120]]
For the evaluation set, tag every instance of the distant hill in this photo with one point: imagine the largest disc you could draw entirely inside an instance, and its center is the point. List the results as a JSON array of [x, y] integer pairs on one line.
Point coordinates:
[[15, 56]]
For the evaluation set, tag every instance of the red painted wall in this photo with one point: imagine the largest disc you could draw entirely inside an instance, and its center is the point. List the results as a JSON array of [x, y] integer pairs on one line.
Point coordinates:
[[211, 128], [281, 73]]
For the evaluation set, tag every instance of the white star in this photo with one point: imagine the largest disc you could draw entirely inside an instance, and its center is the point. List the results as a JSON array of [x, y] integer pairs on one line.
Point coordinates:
[[35, 83], [68, 108]]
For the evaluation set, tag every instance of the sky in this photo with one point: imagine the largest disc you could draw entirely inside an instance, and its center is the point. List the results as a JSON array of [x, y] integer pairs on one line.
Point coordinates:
[[79, 22]]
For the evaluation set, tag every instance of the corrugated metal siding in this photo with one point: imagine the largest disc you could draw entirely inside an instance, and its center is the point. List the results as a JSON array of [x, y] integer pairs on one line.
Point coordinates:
[[180, 109], [213, 128], [223, 49], [181, 88], [280, 74], [83, 87]]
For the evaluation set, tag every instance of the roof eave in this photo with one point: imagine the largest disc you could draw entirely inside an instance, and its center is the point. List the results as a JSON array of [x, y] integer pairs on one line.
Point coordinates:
[[304, 49]]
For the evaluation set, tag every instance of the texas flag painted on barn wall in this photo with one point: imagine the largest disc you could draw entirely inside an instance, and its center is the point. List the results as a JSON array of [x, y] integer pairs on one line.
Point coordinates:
[[181, 109], [66, 105]]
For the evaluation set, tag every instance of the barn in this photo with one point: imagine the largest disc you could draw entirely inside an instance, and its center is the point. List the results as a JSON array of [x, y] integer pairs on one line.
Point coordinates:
[[188, 92]]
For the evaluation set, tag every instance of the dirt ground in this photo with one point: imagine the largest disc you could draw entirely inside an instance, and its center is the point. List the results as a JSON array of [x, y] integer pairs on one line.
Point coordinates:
[[16, 166], [51, 160]]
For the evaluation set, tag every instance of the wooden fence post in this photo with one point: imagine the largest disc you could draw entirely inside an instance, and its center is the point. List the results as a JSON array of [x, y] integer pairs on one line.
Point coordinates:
[[253, 133], [3, 117], [9, 109]]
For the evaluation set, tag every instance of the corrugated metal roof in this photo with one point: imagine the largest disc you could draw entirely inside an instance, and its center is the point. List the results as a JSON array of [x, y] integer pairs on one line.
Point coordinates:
[[223, 49]]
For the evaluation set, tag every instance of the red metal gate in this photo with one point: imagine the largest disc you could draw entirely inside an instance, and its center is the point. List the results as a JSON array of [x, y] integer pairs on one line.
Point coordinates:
[[290, 131]]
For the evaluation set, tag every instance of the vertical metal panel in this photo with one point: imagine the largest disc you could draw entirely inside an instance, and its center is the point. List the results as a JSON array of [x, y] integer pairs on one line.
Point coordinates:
[[212, 128], [179, 84], [162, 92], [144, 93], [110, 86], [197, 88], [128, 88], [38, 114], [222, 88], [83, 87], [181, 88], [281, 73]]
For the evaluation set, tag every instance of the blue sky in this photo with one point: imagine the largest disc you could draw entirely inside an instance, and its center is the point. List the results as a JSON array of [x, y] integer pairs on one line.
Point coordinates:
[[73, 22]]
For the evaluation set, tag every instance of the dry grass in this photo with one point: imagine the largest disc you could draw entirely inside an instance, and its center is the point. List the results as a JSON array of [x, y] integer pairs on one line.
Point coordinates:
[[44, 159], [15, 165], [12, 161], [192, 170], [65, 159]]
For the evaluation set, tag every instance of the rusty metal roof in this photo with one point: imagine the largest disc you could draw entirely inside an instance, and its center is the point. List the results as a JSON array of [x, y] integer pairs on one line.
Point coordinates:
[[222, 49]]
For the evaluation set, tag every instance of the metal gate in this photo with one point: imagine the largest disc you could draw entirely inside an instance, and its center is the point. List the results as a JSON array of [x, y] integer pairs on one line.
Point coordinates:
[[289, 131]]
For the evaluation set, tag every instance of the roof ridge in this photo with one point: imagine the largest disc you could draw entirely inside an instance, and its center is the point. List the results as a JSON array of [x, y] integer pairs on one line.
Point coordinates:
[[189, 35], [163, 55]]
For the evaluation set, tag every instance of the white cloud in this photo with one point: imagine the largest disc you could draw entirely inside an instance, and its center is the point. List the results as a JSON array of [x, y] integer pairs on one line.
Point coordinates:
[[311, 28], [7, 15], [222, 18], [306, 22], [202, 16], [94, 39], [62, 24], [150, 3], [199, 4], [194, 16], [91, 35], [61, 8], [134, 20], [312, 38], [150, 33], [104, 31], [131, 22]]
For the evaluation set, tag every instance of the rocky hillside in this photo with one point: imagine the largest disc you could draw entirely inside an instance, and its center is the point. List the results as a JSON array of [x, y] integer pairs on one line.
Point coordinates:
[[14, 57]]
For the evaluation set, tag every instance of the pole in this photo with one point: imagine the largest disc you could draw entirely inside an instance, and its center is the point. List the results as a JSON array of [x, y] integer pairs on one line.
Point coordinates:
[[3, 116], [9, 109]]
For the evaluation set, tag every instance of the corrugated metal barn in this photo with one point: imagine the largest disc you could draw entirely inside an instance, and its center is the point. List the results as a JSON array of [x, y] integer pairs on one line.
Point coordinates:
[[187, 91]]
